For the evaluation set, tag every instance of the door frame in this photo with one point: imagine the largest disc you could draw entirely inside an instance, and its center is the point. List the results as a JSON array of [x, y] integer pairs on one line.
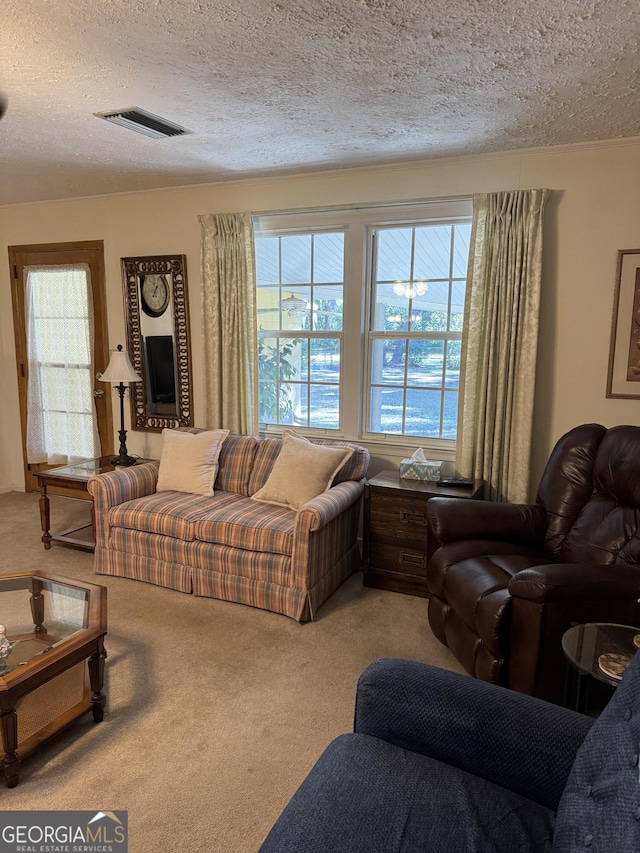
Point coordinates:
[[93, 252]]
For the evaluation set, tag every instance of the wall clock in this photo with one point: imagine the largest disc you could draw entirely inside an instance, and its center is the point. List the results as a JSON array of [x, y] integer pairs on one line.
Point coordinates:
[[155, 292]]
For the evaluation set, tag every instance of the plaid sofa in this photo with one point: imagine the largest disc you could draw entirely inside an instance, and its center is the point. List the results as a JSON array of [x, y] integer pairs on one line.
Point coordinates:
[[228, 546]]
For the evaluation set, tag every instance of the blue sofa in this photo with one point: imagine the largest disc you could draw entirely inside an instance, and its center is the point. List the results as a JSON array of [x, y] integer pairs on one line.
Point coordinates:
[[442, 762]]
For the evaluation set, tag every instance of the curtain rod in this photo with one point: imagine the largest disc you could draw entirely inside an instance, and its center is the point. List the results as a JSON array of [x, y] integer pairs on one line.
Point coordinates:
[[361, 206]]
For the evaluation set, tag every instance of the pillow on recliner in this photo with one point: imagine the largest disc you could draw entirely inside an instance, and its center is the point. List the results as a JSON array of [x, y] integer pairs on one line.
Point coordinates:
[[301, 472], [189, 461]]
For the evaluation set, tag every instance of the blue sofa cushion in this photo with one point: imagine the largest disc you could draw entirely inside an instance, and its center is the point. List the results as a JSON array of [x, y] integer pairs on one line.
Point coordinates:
[[365, 795], [600, 806]]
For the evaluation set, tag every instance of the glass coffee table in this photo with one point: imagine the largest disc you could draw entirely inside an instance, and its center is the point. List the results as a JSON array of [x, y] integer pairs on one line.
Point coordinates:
[[596, 650], [54, 671]]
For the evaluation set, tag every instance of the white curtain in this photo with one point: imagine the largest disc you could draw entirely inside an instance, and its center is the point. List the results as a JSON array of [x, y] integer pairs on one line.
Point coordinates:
[[230, 323], [500, 340], [61, 419]]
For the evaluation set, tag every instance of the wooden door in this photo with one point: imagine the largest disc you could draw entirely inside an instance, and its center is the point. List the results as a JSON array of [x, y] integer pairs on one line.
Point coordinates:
[[54, 254]]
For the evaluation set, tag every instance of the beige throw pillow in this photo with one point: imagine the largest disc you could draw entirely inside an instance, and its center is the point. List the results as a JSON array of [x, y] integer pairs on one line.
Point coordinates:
[[302, 471], [189, 461]]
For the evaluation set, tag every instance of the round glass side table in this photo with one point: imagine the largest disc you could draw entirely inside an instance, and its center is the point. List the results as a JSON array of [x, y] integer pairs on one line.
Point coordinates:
[[596, 650]]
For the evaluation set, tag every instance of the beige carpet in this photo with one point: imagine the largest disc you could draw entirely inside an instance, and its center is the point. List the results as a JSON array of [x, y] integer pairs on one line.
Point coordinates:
[[215, 711]]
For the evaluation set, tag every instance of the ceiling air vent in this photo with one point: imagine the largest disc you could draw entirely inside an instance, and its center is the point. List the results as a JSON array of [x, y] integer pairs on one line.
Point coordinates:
[[143, 122]]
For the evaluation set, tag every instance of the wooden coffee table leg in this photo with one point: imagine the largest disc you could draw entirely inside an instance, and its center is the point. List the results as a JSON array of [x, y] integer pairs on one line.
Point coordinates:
[[11, 762], [45, 521], [37, 607], [96, 680]]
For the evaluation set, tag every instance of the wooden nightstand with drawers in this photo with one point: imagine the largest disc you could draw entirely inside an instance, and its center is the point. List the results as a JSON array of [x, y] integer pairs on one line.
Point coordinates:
[[395, 530]]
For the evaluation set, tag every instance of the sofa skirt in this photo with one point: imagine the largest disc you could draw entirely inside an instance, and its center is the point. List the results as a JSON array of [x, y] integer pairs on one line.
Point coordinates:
[[299, 604]]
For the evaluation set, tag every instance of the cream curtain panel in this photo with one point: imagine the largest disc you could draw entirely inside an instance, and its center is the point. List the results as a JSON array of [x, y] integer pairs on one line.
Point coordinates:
[[230, 323], [500, 339], [61, 417]]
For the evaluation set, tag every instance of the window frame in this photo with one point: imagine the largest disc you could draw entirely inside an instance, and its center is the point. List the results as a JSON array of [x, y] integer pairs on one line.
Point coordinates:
[[358, 223]]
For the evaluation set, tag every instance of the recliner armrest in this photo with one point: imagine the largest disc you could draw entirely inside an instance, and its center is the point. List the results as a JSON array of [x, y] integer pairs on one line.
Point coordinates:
[[522, 743], [452, 518], [576, 581]]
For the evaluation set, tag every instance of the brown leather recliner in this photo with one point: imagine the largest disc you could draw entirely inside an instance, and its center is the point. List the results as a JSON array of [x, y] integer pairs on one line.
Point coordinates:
[[506, 581]]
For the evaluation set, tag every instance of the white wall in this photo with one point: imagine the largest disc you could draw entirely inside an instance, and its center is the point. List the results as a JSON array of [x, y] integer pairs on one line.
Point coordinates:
[[593, 212]]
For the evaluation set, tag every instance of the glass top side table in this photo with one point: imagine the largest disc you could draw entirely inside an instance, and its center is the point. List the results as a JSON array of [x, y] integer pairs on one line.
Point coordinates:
[[596, 650], [74, 478]]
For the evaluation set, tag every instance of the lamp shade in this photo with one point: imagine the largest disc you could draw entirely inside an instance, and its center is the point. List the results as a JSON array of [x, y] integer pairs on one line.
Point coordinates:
[[120, 368]]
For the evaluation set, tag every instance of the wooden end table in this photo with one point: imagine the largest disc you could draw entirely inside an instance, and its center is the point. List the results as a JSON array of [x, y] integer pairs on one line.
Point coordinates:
[[55, 669], [395, 536], [74, 478]]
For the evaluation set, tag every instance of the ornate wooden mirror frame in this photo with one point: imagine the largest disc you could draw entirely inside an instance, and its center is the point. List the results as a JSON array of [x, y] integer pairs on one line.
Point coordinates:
[[149, 318]]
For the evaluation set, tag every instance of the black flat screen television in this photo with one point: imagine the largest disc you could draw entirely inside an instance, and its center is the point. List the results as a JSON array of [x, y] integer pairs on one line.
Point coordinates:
[[162, 377]]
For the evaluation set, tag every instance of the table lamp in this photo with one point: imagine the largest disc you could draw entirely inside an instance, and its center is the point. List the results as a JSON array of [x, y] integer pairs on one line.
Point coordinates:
[[120, 370]]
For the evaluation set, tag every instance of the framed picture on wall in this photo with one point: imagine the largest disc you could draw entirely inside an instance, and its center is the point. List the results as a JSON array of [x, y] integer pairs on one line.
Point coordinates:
[[623, 379]]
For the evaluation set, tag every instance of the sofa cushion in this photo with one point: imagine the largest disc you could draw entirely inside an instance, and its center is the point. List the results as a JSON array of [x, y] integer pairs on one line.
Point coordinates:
[[250, 525], [365, 795], [189, 462], [235, 463], [600, 806], [354, 468], [302, 471], [168, 513]]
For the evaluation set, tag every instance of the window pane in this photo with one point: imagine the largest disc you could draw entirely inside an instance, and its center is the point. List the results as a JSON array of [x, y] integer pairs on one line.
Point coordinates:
[[328, 258], [290, 357], [327, 309], [325, 360], [296, 259], [268, 305], [267, 359], [295, 305], [387, 363], [267, 260], [268, 396], [386, 410], [450, 414], [325, 406], [453, 364], [426, 363], [394, 254], [423, 413], [66, 389], [457, 305], [79, 425], [462, 237], [432, 252], [390, 311], [299, 396]]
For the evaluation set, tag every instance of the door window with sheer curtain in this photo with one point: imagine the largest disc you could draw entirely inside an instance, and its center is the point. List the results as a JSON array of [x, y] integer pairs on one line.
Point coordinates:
[[61, 420]]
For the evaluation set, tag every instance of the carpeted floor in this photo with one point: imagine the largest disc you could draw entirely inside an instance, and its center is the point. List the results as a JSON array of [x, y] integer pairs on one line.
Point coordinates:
[[215, 711]]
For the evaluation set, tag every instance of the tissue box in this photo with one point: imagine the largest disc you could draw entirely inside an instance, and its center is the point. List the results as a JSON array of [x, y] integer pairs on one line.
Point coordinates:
[[412, 470]]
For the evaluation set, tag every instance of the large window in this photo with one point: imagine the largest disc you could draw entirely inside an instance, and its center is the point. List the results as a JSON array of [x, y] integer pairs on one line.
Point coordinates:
[[415, 328], [300, 283], [360, 320]]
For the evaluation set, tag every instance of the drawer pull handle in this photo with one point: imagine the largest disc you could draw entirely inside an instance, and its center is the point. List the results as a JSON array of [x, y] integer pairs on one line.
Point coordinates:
[[409, 559], [413, 517]]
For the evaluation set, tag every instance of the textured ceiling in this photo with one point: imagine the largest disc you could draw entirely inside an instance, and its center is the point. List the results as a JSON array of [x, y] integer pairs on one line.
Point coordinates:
[[269, 87]]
